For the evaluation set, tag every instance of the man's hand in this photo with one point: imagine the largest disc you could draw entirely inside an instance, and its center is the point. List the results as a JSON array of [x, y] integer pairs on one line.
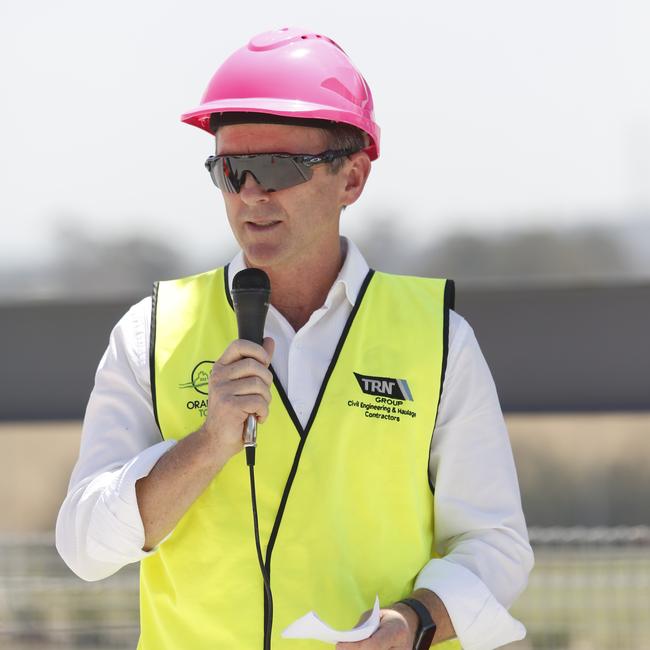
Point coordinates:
[[397, 627], [239, 386], [399, 623]]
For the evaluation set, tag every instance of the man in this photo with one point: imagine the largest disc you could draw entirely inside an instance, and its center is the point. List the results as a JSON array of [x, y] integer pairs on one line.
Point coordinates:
[[383, 465]]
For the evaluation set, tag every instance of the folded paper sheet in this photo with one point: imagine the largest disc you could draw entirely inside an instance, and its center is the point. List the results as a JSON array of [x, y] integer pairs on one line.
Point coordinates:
[[311, 627]]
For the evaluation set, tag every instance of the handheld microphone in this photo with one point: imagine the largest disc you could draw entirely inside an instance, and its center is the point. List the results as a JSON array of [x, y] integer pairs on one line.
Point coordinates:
[[251, 291]]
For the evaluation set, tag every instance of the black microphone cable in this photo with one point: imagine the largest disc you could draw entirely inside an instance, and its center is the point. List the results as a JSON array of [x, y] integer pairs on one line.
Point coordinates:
[[250, 461]]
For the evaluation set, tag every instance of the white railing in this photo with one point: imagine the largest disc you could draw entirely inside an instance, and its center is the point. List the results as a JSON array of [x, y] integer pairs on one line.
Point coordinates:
[[590, 589]]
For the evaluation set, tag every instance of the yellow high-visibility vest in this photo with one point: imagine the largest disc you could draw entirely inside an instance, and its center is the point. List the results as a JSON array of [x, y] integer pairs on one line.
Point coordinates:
[[345, 505]]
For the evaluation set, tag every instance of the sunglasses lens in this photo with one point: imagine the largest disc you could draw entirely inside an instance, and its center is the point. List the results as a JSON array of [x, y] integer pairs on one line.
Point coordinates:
[[271, 171], [224, 177]]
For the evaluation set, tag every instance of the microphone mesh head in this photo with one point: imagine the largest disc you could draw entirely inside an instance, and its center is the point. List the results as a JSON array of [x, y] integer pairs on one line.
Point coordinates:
[[251, 279]]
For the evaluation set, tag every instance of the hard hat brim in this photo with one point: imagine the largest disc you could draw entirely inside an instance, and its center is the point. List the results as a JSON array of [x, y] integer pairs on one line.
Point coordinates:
[[200, 116]]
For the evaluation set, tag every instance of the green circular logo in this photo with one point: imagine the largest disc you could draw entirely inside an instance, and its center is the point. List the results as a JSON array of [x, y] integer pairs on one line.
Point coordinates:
[[201, 376]]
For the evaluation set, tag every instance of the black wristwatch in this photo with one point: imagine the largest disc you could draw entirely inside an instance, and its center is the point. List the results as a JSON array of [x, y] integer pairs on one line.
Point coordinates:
[[426, 629]]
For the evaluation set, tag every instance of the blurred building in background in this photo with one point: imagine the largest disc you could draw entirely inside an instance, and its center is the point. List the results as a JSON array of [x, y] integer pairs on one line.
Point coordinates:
[[612, 249]]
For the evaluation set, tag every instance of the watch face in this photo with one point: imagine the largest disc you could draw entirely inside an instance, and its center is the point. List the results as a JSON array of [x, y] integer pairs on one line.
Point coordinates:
[[426, 637]]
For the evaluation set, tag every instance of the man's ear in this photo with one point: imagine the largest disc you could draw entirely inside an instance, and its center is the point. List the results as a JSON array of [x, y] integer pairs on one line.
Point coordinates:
[[355, 173]]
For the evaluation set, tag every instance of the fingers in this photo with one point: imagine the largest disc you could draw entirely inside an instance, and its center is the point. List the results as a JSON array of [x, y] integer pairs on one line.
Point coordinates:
[[242, 349], [239, 386], [242, 385], [242, 368], [252, 405], [245, 359], [392, 633], [251, 386], [269, 345]]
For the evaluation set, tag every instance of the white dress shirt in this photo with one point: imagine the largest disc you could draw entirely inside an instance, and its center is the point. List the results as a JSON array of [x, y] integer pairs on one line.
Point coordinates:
[[480, 530]]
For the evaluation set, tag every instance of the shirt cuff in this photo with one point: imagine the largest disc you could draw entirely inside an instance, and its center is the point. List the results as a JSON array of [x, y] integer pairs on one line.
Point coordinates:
[[481, 622], [116, 531]]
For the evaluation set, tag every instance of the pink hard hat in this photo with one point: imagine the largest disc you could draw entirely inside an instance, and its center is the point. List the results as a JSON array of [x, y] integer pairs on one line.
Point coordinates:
[[294, 73]]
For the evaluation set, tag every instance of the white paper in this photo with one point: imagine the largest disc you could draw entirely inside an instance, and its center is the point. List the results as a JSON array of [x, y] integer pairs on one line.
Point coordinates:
[[311, 627]]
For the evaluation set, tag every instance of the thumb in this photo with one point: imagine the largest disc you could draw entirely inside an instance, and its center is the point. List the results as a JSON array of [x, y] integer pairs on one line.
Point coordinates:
[[269, 345]]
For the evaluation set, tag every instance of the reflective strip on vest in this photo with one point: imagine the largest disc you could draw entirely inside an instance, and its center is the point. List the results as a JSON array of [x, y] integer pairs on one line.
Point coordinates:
[[345, 504]]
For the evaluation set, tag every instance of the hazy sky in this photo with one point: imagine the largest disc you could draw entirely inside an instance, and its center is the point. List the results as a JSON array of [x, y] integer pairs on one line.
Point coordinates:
[[494, 114]]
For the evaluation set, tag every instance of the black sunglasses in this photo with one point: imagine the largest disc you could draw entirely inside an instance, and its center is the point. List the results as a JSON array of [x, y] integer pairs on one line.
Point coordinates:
[[273, 171]]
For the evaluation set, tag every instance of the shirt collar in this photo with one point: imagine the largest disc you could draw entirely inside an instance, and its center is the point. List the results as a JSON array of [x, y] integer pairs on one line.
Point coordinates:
[[351, 276]]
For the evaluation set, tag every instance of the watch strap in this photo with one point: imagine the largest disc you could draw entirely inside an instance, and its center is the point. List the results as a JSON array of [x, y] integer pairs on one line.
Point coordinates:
[[426, 628]]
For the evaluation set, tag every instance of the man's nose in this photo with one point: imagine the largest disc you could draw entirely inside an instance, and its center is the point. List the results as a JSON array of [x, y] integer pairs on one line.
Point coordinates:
[[252, 192]]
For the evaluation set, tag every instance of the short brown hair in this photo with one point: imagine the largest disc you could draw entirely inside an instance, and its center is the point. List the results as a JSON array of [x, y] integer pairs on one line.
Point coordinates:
[[343, 137], [339, 136]]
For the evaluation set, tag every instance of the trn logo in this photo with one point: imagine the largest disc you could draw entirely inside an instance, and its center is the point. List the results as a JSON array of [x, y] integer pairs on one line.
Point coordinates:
[[384, 386]]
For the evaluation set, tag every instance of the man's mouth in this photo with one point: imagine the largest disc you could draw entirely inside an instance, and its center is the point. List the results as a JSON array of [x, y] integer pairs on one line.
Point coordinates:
[[262, 225]]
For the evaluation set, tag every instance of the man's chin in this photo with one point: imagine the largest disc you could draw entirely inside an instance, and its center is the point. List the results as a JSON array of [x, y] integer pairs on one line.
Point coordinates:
[[264, 255]]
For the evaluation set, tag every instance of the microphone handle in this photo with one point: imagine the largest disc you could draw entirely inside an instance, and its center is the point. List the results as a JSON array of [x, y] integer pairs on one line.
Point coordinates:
[[251, 314], [250, 432]]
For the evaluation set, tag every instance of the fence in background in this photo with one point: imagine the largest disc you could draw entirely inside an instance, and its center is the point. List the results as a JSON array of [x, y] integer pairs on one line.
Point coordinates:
[[590, 589]]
